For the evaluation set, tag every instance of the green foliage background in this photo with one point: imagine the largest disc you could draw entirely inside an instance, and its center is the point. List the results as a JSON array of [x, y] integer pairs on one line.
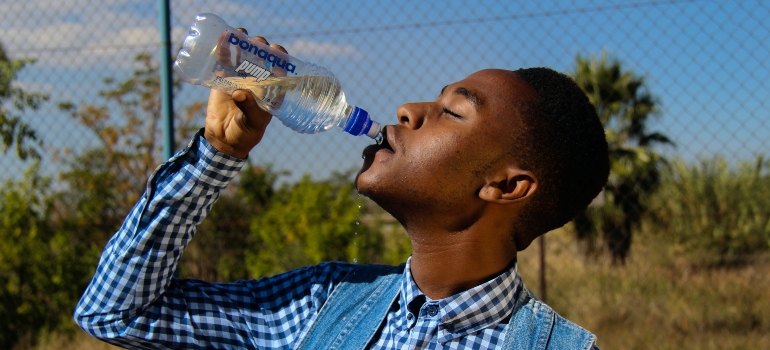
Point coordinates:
[[53, 229], [716, 212]]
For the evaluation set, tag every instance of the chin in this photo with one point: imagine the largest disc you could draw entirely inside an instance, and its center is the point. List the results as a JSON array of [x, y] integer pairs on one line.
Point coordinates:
[[368, 178], [372, 186], [365, 182]]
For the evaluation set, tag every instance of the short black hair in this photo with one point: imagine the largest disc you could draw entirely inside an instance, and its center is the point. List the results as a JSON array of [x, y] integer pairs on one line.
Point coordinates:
[[563, 143]]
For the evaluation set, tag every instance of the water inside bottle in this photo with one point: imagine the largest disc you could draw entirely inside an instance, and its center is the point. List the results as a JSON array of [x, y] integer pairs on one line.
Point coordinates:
[[307, 104], [269, 93]]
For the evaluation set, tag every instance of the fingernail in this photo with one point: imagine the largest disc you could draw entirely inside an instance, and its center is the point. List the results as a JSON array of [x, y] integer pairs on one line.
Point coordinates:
[[263, 38], [242, 30]]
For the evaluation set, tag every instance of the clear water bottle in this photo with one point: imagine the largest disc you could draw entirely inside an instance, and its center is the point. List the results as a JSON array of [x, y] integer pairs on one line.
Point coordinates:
[[305, 97]]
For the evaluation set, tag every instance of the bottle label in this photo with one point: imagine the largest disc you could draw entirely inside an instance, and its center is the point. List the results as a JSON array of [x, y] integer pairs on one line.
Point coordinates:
[[271, 59], [252, 69]]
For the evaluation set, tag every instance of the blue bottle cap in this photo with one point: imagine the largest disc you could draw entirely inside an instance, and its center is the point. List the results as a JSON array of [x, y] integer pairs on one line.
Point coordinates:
[[359, 123]]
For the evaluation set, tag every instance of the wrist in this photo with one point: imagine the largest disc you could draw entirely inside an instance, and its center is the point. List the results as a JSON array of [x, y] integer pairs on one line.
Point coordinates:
[[224, 147]]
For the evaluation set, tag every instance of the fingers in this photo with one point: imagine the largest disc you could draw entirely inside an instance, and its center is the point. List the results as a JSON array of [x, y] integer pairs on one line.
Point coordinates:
[[262, 39], [245, 101], [223, 53], [243, 98], [235, 123], [256, 117], [279, 47]]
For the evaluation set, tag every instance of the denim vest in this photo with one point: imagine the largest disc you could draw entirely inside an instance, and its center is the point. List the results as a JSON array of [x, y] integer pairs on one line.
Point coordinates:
[[355, 309]]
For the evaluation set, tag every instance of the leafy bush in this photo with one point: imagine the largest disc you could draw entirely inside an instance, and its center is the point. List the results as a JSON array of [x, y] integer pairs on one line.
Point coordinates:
[[15, 133], [217, 253], [716, 209], [42, 272], [309, 222], [626, 108]]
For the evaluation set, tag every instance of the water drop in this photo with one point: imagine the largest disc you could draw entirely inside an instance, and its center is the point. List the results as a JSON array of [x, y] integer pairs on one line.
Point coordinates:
[[355, 260]]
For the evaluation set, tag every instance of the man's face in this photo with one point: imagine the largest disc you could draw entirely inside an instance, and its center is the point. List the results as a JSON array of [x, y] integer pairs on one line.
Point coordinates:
[[440, 153]]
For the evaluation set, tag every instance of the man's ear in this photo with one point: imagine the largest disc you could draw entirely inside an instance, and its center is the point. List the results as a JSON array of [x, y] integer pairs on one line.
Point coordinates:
[[511, 185]]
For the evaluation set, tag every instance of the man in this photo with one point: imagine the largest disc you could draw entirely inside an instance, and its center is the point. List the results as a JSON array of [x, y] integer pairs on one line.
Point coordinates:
[[498, 159]]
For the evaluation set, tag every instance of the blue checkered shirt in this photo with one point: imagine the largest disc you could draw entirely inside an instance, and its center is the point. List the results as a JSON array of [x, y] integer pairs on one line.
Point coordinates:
[[134, 300]]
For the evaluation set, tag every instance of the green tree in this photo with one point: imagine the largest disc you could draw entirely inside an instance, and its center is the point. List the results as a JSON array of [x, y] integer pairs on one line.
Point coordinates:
[[41, 277], [309, 222], [625, 107], [713, 211], [105, 181], [52, 241], [218, 252], [15, 133], [127, 125]]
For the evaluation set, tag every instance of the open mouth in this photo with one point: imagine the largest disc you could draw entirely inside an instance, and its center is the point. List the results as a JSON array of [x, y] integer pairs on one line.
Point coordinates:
[[385, 141], [371, 150]]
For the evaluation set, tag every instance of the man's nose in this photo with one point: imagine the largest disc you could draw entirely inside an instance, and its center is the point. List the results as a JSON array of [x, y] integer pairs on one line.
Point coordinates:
[[413, 115]]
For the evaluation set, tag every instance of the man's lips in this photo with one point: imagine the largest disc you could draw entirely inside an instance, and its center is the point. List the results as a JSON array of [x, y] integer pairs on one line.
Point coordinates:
[[387, 137]]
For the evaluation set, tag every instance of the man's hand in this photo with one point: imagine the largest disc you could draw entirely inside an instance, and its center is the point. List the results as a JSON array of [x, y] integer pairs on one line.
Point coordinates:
[[235, 124]]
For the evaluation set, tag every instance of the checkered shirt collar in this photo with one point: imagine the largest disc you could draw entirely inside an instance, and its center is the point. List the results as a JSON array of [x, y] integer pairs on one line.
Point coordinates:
[[480, 307]]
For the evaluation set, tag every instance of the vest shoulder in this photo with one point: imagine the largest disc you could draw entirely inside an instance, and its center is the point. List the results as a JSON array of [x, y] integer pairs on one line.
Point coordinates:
[[569, 335], [369, 273], [564, 334]]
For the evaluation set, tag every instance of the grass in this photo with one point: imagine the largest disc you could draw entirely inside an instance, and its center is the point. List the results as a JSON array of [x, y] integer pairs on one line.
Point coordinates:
[[80, 341], [659, 299]]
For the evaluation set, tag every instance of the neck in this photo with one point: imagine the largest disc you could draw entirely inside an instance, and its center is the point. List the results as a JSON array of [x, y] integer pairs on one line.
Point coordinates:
[[446, 262]]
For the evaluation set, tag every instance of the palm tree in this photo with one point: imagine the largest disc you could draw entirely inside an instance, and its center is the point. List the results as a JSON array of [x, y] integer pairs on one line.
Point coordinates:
[[14, 132], [625, 107]]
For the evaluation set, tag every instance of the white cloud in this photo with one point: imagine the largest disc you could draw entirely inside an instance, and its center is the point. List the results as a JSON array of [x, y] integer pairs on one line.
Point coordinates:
[[78, 33], [231, 12], [77, 6], [78, 45], [185, 11], [300, 47], [29, 86]]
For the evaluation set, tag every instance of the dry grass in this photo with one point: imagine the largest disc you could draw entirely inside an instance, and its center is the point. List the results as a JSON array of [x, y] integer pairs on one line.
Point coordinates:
[[658, 300], [80, 341]]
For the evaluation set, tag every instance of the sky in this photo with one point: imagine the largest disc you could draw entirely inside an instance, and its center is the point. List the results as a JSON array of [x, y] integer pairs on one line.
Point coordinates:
[[705, 61]]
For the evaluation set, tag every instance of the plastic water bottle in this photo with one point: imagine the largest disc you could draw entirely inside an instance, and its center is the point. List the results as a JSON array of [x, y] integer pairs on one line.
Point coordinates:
[[305, 97]]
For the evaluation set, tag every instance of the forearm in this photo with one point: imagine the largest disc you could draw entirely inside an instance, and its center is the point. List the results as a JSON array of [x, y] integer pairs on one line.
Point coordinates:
[[139, 261]]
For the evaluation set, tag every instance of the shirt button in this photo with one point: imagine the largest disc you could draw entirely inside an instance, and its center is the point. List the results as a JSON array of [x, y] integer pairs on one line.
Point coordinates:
[[432, 310]]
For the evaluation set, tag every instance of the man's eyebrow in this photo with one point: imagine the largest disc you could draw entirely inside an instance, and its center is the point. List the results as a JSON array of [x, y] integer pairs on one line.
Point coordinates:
[[472, 97]]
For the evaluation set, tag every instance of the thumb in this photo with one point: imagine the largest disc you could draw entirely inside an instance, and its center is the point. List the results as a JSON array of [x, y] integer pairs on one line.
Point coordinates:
[[255, 118]]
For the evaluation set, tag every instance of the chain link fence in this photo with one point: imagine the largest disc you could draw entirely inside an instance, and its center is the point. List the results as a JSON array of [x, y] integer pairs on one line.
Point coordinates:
[[704, 63], [703, 60]]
